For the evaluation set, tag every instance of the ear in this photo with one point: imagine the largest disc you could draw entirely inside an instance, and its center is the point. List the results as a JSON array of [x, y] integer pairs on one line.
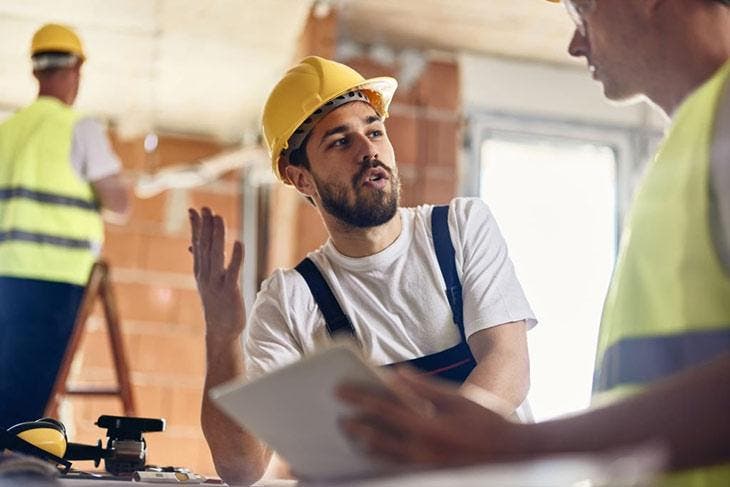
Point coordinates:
[[302, 179]]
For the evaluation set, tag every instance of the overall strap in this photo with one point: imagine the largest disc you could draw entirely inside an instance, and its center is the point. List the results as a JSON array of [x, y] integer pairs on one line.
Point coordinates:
[[447, 263], [335, 319]]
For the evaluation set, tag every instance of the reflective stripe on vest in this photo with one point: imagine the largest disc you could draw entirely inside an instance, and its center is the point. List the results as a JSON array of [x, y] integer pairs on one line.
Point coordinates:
[[50, 225], [39, 238], [642, 360], [42, 197]]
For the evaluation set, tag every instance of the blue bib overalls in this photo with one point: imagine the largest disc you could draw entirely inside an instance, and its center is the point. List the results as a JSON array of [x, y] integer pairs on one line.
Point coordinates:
[[453, 364]]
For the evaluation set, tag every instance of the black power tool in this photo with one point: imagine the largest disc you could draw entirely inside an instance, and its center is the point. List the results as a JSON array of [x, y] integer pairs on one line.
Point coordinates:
[[126, 449]]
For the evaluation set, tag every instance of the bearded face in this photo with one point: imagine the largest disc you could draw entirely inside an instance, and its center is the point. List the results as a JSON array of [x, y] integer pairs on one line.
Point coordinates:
[[370, 199]]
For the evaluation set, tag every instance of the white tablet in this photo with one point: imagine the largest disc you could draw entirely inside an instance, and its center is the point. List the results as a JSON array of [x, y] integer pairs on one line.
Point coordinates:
[[294, 410]]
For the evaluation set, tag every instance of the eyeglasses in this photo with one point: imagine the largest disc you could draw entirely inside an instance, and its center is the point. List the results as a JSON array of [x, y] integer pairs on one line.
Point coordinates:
[[578, 9]]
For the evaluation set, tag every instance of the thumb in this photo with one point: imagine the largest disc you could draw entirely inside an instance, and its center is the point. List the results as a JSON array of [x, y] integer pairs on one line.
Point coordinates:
[[234, 267]]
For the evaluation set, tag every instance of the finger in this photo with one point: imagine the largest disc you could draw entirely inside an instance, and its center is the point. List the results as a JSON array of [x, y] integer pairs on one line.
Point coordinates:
[[206, 231], [217, 246], [381, 442], [438, 393], [372, 440], [361, 395], [391, 412], [355, 394], [234, 267], [194, 237]]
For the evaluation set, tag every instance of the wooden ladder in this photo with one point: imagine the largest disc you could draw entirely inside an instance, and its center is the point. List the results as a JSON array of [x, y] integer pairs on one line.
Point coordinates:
[[99, 285]]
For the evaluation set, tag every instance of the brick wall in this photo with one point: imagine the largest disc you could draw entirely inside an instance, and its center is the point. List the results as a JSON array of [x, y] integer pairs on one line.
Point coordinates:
[[159, 308]]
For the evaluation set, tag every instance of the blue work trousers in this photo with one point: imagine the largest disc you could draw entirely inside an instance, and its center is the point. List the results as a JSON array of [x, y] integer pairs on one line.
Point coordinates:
[[36, 321]]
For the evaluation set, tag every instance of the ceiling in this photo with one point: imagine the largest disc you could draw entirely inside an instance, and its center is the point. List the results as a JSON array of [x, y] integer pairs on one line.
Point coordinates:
[[527, 29], [204, 66]]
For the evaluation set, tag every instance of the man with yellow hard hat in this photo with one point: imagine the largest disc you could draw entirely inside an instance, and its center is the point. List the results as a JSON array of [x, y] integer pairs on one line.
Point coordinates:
[[432, 287], [57, 172], [663, 364]]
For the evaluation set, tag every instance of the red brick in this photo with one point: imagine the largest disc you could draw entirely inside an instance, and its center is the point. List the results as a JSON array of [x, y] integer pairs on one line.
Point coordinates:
[[226, 205], [94, 351], [319, 36], [122, 247], [438, 87], [403, 134], [409, 195], [169, 254], [148, 210], [130, 151], [310, 232], [438, 190], [371, 69], [181, 354], [442, 142], [138, 301], [189, 309], [152, 401], [185, 405], [174, 150]]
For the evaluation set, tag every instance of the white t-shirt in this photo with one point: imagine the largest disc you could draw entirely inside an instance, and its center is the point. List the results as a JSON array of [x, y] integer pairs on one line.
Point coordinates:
[[91, 154], [395, 299]]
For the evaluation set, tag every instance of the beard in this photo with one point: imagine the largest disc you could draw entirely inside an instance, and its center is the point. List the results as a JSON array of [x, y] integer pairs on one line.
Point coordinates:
[[372, 207]]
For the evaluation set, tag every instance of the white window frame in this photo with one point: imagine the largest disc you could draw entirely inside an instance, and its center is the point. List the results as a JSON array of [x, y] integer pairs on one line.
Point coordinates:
[[632, 145]]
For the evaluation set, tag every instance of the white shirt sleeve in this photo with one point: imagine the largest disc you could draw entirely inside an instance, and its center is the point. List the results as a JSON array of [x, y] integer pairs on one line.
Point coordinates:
[[268, 341], [492, 294], [91, 154]]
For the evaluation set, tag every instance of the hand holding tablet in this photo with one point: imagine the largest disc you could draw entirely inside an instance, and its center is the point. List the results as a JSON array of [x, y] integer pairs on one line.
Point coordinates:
[[295, 411]]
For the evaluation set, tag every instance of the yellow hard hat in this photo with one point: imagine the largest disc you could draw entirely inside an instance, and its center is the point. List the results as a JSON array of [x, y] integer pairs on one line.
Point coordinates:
[[303, 90], [56, 38]]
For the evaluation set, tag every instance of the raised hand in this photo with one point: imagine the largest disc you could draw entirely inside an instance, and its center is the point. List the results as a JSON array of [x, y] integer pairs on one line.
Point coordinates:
[[453, 431], [218, 284]]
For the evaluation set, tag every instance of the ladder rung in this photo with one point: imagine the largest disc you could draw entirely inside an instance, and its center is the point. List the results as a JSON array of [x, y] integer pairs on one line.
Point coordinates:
[[93, 391]]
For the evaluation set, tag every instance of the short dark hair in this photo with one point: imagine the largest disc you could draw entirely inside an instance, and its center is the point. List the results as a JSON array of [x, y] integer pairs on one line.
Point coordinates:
[[298, 157]]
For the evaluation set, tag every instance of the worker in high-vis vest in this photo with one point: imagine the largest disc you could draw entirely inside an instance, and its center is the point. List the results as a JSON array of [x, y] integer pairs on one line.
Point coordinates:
[[57, 173], [662, 371]]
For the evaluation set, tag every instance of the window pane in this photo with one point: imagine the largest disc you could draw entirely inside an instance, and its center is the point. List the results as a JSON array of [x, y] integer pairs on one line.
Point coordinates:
[[555, 201]]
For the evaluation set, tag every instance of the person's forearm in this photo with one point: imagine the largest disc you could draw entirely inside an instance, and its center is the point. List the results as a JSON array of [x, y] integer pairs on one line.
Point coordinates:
[[687, 413], [503, 365], [238, 456], [507, 379]]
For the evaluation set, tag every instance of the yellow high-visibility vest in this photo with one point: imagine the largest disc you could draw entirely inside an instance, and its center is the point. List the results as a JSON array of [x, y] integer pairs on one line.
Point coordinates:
[[668, 306], [50, 224]]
